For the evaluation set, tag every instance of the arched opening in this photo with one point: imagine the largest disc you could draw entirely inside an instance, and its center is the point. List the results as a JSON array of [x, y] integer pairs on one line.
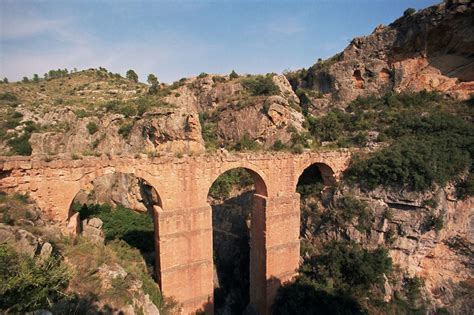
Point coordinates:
[[238, 201], [126, 205], [315, 186]]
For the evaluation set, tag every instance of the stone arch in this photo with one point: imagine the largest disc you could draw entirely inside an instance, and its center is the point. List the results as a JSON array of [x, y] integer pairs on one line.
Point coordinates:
[[326, 172], [257, 176], [257, 243], [156, 208], [88, 178]]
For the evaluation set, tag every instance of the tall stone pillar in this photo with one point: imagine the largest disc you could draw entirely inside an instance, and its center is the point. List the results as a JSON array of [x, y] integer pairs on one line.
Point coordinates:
[[184, 256], [282, 243], [257, 263]]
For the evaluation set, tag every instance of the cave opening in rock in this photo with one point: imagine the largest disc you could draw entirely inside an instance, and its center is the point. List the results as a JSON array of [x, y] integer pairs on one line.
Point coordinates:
[[126, 205], [237, 198]]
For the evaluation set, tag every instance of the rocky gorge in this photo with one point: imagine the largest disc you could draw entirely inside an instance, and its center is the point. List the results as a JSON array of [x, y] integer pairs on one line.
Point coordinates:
[[366, 100]]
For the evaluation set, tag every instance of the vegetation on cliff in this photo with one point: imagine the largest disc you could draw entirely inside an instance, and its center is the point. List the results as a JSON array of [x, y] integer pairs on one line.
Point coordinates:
[[430, 142], [27, 283]]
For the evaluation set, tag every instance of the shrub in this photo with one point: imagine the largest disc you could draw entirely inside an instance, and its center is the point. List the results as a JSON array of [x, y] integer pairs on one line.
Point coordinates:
[[125, 130], [81, 113], [429, 149], [132, 75], [465, 188], [152, 79], [8, 96], [246, 143], [334, 280], [233, 75], [409, 11], [20, 145], [278, 145], [298, 149], [208, 131], [29, 284], [261, 85], [217, 79], [202, 75], [92, 127], [127, 110], [434, 222], [112, 106]]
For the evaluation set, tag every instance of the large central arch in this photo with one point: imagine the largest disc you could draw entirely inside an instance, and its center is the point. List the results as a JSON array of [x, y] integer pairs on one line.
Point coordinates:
[[257, 242]]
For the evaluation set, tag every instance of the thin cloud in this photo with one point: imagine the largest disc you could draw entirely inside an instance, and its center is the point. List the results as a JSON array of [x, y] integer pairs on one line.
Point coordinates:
[[14, 28], [285, 26]]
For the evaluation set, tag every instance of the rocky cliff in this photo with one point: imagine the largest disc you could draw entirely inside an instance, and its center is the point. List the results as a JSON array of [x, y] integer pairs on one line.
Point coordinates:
[[431, 49]]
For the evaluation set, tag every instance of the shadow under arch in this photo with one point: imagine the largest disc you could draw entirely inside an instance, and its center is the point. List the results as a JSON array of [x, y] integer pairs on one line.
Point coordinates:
[[256, 265], [145, 193], [317, 172]]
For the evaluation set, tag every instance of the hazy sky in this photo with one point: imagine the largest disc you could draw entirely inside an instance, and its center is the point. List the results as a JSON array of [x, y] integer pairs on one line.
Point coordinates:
[[180, 38]]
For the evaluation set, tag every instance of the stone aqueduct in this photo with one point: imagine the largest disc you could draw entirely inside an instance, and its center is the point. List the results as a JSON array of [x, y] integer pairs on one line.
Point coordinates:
[[183, 220]]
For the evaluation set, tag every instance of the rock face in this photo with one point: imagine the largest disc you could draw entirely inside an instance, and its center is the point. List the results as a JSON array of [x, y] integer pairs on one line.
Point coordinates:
[[119, 189], [25, 242], [427, 50], [92, 230], [404, 223]]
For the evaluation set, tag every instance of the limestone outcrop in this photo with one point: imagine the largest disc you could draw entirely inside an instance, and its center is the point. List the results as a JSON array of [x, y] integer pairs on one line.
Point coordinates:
[[428, 235], [426, 50]]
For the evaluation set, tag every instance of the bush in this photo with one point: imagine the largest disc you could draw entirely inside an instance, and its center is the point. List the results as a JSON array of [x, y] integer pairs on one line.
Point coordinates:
[[132, 75], [202, 75], [217, 79], [334, 280], [29, 284], [208, 131], [261, 85], [92, 127], [128, 111], [409, 11], [125, 130], [233, 75], [246, 143], [306, 297], [20, 145], [298, 148], [428, 149], [278, 145], [465, 188], [8, 96]]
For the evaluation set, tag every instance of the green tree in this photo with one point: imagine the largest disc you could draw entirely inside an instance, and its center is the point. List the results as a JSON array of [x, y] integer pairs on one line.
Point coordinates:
[[261, 85], [35, 78], [5, 80], [132, 75], [409, 11], [25, 80], [152, 79], [233, 75]]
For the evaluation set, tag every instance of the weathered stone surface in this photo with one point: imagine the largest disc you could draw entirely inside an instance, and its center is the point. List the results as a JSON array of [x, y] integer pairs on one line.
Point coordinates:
[[46, 250], [108, 273], [429, 50], [91, 229]]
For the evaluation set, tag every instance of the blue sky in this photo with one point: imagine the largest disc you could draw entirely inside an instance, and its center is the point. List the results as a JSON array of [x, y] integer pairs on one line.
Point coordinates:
[[180, 38]]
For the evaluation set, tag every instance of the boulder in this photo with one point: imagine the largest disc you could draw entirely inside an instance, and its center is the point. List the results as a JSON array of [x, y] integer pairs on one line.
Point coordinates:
[[92, 232]]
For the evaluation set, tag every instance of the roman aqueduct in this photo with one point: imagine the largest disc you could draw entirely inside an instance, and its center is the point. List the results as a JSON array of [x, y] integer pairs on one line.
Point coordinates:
[[183, 219]]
